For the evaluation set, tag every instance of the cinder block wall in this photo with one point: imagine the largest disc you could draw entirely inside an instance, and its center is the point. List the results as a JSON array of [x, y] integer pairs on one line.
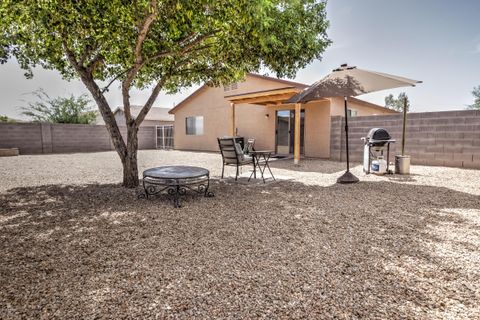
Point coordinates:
[[450, 138], [36, 138]]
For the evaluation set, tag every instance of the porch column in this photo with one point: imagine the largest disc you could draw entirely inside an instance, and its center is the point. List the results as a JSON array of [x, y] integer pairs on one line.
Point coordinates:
[[232, 130], [296, 140]]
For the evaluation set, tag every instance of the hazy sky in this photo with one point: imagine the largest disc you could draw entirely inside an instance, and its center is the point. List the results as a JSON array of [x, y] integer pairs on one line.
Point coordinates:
[[436, 41]]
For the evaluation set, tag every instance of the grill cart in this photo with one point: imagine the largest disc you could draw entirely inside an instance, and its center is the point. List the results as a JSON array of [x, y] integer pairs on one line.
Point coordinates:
[[376, 141]]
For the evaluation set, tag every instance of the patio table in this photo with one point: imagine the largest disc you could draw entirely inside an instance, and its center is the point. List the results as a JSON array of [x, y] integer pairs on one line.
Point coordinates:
[[261, 157], [175, 181]]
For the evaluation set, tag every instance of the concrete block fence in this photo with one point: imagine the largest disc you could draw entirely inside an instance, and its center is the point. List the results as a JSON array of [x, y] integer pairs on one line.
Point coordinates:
[[450, 138], [38, 138]]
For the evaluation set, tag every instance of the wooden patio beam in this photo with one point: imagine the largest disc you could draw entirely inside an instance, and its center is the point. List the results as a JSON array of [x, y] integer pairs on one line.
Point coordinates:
[[232, 129], [296, 140], [264, 100], [264, 93]]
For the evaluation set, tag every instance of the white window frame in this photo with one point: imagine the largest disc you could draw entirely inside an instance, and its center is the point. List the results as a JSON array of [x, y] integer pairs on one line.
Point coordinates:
[[352, 113], [196, 128]]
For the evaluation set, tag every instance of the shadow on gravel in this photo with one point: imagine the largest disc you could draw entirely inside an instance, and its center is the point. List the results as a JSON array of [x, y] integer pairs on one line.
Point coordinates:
[[308, 165], [283, 250]]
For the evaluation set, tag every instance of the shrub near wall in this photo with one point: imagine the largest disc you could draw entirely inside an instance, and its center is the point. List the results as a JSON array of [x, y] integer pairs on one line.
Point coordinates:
[[450, 138], [36, 138]]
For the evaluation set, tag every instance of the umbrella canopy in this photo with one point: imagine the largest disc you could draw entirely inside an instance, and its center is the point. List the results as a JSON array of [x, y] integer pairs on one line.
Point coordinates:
[[348, 81]]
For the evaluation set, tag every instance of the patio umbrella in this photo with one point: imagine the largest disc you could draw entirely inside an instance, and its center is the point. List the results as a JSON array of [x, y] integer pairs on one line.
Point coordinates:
[[349, 81]]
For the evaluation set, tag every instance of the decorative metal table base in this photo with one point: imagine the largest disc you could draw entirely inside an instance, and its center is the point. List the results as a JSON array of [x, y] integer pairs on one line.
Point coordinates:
[[176, 181]]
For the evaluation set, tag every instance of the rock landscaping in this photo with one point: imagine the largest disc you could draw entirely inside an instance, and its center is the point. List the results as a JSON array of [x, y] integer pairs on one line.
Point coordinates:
[[74, 244]]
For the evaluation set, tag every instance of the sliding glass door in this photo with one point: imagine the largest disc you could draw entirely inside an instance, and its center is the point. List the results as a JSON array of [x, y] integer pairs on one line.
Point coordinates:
[[285, 131]]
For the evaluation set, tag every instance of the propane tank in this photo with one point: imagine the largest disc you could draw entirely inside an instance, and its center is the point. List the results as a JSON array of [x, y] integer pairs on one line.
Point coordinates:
[[379, 166]]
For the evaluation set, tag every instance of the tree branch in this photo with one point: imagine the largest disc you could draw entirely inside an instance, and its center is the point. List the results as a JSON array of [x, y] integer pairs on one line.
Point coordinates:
[[145, 27], [104, 89], [102, 103], [156, 91], [98, 59], [146, 108], [139, 62]]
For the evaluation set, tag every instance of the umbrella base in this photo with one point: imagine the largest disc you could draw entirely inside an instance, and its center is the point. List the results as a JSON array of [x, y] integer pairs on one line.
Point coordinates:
[[347, 177]]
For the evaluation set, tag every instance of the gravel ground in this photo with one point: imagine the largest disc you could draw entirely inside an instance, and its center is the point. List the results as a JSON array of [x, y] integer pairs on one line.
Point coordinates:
[[75, 245]]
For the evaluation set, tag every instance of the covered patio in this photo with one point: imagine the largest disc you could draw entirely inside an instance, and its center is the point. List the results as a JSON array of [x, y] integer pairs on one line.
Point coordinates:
[[272, 99]]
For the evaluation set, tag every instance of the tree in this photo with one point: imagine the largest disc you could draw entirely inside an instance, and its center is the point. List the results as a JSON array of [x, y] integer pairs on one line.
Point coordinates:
[[6, 119], [159, 45], [397, 104], [476, 102], [60, 110]]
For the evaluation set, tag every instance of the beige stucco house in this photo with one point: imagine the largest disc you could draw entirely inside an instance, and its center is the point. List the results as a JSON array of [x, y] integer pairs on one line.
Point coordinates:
[[155, 117], [256, 108]]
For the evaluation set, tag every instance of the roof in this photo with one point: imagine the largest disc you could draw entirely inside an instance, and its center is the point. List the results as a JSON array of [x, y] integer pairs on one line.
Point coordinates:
[[288, 82], [371, 105], [291, 85], [155, 113], [203, 87]]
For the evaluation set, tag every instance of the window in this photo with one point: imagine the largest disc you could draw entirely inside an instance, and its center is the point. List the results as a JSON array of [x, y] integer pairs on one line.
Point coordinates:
[[230, 87], [194, 126], [352, 113]]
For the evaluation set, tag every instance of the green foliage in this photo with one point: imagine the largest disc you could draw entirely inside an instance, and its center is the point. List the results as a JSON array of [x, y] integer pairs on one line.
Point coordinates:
[[162, 44], [191, 41], [60, 110], [476, 102], [6, 119], [397, 104]]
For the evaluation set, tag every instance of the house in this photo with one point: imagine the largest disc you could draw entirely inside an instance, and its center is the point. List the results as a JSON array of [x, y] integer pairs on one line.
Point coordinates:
[[256, 108], [155, 117]]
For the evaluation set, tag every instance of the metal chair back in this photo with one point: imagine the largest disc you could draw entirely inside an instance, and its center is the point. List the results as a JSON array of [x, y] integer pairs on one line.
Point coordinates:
[[228, 150]]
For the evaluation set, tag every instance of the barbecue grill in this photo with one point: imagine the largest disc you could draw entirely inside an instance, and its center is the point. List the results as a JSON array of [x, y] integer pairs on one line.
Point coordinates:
[[376, 141]]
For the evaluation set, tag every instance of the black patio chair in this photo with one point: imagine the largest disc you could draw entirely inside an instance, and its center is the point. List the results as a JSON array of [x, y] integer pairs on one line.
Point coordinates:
[[232, 155]]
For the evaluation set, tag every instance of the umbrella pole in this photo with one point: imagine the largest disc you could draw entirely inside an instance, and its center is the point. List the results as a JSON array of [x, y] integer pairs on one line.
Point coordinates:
[[346, 134], [347, 177], [404, 124]]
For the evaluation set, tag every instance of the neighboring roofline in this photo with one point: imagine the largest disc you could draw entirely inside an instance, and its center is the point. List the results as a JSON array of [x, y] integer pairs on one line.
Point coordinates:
[[371, 105], [199, 90], [120, 108]]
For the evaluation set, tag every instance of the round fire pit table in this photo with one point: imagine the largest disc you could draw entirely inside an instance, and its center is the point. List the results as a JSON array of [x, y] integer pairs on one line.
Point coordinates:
[[175, 181]]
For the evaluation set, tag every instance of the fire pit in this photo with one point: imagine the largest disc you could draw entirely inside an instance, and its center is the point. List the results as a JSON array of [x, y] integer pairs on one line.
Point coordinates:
[[175, 181]]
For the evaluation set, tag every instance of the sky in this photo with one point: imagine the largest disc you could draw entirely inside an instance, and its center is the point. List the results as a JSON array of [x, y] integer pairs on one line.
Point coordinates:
[[436, 41]]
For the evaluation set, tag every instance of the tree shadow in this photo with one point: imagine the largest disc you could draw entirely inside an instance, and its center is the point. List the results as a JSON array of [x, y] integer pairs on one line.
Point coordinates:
[[280, 250], [311, 165]]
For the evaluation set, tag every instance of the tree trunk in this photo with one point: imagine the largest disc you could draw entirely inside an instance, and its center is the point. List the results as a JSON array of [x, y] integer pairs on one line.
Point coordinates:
[[129, 162], [126, 152]]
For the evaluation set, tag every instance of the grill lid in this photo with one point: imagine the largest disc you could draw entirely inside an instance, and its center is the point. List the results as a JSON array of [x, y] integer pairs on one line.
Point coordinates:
[[378, 134]]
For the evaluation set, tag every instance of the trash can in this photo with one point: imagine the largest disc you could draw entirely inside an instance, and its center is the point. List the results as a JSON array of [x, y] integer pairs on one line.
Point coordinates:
[[402, 164]]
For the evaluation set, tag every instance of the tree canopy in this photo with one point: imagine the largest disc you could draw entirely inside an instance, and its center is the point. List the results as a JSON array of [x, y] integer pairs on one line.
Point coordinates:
[[6, 119], [73, 109], [159, 45], [397, 104], [476, 96], [191, 40]]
